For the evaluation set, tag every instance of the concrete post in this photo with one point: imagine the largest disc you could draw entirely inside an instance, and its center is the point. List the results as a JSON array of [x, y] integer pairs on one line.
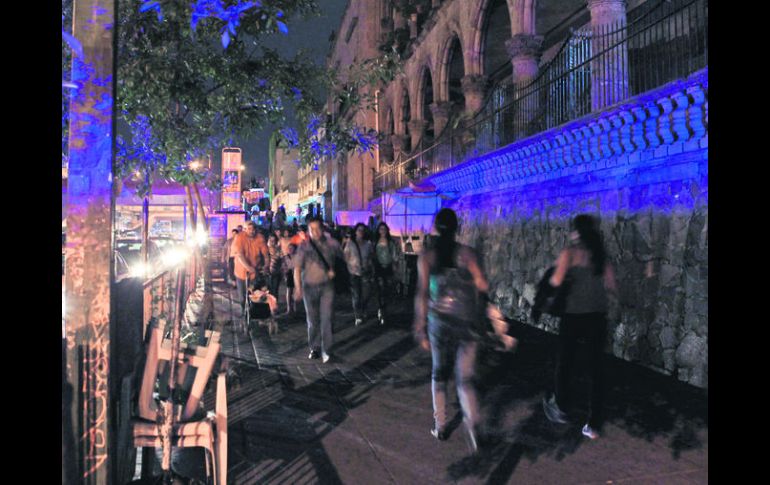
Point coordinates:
[[89, 254], [609, 71]]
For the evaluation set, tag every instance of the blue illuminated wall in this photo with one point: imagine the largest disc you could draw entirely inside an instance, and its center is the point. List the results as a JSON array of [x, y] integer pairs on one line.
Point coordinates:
[[642, 167]]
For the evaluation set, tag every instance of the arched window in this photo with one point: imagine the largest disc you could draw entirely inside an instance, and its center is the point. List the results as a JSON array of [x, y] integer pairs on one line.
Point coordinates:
[[456, 72], [427, 100], [497, 29], [406, 117]]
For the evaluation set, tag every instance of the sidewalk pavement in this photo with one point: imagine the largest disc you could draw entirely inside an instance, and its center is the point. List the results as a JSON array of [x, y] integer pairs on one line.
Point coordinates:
[[365, 416]]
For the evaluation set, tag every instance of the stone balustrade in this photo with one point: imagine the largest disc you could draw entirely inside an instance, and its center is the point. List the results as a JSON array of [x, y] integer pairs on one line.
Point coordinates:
[[642, 166], [671, 119]]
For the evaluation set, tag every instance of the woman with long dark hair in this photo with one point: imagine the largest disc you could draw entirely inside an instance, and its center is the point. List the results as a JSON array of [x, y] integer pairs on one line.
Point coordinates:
[[583, 266], [274, 266], [385, 256], [358, 256], [450, 289]]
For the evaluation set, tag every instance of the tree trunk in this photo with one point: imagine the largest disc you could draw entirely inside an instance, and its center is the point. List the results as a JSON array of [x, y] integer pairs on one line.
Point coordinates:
[[194, 229], [208, 295]]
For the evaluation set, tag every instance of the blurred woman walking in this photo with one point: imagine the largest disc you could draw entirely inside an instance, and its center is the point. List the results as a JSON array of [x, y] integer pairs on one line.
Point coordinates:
[[358, 256], [384, 261], [450, 290], [583, 266]]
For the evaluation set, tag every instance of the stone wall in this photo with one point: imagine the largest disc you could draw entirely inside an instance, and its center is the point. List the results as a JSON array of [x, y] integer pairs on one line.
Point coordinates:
[[646, 177]]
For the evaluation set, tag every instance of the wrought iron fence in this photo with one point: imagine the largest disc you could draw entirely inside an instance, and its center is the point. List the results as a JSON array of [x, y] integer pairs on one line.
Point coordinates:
[[595, 68]]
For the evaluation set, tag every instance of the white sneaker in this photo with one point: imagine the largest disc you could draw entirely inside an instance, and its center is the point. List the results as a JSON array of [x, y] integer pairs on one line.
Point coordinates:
[[359, 321], [590, 432], [325, 357]]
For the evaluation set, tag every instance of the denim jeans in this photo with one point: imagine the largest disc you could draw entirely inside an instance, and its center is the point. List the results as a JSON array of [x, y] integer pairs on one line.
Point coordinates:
[[384, 279], [359, 289], [452, 347], [241, 293], [274, 283], [319, 308]]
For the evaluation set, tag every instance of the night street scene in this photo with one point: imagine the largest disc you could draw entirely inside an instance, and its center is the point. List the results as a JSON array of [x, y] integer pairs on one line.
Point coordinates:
[[384, 241]]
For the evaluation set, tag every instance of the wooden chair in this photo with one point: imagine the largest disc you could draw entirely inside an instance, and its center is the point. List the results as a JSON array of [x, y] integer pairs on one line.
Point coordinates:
[[191, 427]]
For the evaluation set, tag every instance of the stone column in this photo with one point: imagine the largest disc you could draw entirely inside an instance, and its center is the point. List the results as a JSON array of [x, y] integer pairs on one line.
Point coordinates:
[[609, 71], [386, 29], [440, 111], [386, 152], [417, 131], [413, 26], [399, 20], [473, 87], [524, 51], [398, 142]]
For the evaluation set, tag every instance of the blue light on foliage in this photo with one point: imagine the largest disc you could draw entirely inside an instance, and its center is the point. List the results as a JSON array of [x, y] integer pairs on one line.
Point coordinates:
[[231, 15], [297, 93], [365, 141], [313, 124], [73, 43], [291, 136], [152, 5]]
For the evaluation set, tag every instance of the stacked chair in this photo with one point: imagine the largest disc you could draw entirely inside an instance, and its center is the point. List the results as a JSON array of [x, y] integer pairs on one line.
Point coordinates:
[[193, 425]]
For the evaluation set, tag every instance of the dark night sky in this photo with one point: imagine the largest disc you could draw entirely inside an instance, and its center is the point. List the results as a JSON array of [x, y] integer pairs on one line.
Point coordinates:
[[310, 34]]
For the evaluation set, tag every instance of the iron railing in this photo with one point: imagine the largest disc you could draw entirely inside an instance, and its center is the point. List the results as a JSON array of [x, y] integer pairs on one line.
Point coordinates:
[[595, 68]]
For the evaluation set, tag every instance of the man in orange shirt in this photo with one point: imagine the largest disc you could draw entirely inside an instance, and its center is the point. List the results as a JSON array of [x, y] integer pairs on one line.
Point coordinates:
[[251, 258], [300, 237]]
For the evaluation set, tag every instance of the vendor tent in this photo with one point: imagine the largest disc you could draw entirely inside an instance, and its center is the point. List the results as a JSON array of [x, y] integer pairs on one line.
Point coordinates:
[[410, 212]]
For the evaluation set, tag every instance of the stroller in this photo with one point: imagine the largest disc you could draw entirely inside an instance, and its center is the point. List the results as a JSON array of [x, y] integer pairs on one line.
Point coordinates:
[[262, 306]]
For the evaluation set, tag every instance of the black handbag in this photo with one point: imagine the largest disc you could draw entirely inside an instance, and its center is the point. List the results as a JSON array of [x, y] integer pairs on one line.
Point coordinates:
[[341, 275], [550, 300]]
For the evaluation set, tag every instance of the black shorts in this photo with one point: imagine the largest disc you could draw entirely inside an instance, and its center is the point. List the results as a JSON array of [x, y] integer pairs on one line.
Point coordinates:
[[290, 279]]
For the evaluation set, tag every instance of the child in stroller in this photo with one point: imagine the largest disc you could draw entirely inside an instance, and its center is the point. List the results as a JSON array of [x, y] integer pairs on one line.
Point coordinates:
[[262, 305]]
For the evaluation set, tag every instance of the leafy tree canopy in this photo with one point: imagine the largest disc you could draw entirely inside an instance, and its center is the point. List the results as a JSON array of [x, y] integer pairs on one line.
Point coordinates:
[[193, 76]]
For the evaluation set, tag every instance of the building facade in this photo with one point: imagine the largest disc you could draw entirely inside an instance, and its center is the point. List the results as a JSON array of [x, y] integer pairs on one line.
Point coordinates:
[[521, 114], [284, 179], [313, 188]]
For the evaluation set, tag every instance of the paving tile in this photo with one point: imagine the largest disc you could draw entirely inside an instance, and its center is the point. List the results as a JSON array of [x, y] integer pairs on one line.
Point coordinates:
[[365, 417]]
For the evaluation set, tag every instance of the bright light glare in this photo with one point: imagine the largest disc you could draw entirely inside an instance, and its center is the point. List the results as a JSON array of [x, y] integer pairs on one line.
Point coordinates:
[[139, 270], [175, 256], [195, 165], [201, 237]]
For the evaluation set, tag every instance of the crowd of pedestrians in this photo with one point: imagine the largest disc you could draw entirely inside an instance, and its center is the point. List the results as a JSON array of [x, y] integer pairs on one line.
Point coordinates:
[[452, 310]]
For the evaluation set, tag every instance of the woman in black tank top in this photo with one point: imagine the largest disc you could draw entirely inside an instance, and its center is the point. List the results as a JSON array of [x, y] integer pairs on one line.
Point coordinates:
[[450, 284], [584, 264]]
